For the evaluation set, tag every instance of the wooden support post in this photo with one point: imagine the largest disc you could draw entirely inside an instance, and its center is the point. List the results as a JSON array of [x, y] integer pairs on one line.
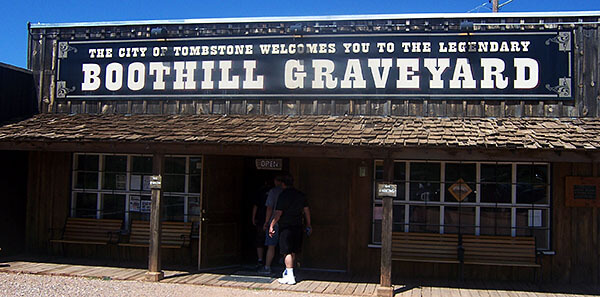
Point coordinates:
[[154, 268], [385, 284]]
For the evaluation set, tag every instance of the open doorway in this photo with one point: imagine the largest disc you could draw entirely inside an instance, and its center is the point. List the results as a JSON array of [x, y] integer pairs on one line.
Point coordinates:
[[258, 179]]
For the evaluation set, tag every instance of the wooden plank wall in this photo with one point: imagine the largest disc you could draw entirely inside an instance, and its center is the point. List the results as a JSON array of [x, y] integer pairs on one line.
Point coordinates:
[[585, 85], [47, 197], [222, 200], [575, 232], [575, 238], [361, 258], [326, 185]]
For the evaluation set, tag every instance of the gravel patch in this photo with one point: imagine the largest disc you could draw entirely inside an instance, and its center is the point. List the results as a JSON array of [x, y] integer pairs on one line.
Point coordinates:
[[54, 286]]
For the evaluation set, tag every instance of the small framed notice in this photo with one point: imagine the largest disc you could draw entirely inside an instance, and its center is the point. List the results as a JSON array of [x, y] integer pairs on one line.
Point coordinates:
[[145, 206], [582, 191], [134, 203], [387, 190]]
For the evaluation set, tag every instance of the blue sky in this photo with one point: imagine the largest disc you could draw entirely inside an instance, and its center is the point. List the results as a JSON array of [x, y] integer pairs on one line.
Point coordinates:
[[16, 14]]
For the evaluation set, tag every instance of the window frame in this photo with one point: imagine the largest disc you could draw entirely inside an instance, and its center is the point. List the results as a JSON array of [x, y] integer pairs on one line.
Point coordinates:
[[128, 192], [443, 203]]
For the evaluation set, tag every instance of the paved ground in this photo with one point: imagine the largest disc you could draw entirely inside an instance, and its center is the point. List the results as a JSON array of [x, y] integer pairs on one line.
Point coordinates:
[[51, 286]]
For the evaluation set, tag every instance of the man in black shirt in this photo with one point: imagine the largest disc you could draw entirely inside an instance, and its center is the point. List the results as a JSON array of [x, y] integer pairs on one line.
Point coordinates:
[[288, 213]]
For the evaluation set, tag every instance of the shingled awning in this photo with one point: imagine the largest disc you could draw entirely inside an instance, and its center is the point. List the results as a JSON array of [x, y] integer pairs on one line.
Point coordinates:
[[346, 131]]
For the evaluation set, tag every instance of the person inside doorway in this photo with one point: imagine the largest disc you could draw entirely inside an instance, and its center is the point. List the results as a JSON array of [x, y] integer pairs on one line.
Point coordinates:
[[291, 205], [258, 218], [271, 240]]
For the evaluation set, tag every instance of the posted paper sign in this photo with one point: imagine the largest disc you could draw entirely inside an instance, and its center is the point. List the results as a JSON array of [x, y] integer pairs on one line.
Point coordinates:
[[145, 206], [535, 218], [134, 203]]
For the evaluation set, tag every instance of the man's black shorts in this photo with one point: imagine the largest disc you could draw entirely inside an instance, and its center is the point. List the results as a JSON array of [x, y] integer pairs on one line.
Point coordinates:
[[290, 240]]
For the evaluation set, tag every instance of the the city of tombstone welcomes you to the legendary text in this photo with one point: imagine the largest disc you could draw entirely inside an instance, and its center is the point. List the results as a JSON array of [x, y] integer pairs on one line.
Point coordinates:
[[435, 65]]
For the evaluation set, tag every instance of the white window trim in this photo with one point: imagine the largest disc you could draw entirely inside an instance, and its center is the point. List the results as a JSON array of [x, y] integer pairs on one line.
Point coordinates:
[[513, 206]]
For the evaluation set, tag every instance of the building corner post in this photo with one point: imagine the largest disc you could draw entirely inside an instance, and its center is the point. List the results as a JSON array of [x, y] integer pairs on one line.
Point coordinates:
[[155, 272], [385, 288]]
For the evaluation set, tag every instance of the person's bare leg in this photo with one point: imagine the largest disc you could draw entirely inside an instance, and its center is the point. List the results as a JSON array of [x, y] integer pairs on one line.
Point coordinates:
[[270, 255], [289, 261], [260, 252]]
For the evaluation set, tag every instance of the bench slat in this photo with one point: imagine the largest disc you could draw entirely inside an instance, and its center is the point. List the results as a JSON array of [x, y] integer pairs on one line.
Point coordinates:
[[89, 231], [173, 234]]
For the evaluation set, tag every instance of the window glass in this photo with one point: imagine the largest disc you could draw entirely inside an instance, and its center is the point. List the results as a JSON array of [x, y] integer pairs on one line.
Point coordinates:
[[500, 210], [85, 205], [139, 207], [86, 180], [106, 185], [115, 175], [399, 171], [174, 183], [533, 222], [87, 162], [496, 173], [173, 208], [376, 231], [141, 164], [459, 220], [113, 206], [378, 170], [424, 219], [141, 170], [174, 179], [115, 163], [455, 172], [495, 221], [425, 182], [175, 165], [496, 183], [195, 175], [397, 223], [398, 218], [86, 176], [532, 183]]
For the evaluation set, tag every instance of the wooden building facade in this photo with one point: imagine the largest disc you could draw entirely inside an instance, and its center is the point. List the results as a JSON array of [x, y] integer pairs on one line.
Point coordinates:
[[492, 160]]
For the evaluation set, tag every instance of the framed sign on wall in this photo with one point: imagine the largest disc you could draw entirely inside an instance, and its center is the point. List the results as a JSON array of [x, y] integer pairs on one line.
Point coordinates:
[[582, 191]]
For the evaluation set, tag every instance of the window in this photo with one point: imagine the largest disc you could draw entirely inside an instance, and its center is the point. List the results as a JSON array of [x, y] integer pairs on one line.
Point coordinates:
[[118, 187], [481, 198]]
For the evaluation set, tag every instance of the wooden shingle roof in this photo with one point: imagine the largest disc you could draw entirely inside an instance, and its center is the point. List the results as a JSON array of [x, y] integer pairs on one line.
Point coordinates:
[[364, 131]]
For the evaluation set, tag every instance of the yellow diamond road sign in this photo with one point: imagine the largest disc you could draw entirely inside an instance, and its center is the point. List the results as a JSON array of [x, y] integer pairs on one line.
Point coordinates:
[[460, 190]]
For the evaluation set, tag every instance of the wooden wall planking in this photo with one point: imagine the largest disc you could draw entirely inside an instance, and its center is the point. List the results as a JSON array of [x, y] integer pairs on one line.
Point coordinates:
[[47, 198], [326, 185]]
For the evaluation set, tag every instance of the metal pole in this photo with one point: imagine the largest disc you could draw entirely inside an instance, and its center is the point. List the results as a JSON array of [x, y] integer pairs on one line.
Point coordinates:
[[495, 5], [155, 273]]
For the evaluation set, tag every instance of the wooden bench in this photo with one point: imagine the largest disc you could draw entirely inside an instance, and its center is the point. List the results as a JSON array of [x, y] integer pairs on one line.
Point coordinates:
[[425, 247], [90, 231], [500, 251], [174, 234], [465, 250]]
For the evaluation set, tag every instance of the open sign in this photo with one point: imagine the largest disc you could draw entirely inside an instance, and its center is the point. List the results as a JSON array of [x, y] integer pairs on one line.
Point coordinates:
[[269, 164]]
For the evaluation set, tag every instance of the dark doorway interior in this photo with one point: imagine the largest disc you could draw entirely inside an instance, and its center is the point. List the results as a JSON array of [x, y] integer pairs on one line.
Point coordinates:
[[256, 181], [13, 201]]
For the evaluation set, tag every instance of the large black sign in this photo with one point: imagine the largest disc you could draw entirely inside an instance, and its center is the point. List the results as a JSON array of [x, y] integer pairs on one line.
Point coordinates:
[[441, 66]]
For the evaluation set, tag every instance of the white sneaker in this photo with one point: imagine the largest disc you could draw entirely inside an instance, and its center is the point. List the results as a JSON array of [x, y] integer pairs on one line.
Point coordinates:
[[287, 279]]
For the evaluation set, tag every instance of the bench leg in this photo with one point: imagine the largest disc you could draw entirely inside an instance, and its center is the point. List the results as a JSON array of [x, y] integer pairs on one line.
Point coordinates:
[[461, 272]]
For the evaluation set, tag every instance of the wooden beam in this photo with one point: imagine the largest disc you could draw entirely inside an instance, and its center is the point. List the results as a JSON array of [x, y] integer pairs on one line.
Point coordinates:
[[154, 268], [299, 150], [385, 283]]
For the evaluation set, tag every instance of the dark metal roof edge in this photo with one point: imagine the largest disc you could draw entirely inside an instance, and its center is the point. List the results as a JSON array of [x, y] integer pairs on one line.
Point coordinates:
[[16, 68], [323, 18]]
